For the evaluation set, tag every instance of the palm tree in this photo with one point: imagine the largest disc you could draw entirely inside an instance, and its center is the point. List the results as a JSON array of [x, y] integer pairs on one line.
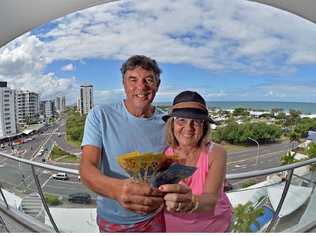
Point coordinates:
[[244, 216], [288, 158], [311, 150], [294, 137], [311, 153]]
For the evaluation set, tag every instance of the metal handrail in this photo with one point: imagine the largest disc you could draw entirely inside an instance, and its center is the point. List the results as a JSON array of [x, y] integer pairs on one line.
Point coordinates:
[[40, 165], [244, 175], [256, 173], [34, 164]]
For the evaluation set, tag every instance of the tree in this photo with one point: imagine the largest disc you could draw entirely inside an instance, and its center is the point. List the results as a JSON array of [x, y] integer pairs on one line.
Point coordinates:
[[304, 125], [275, 111], [288, 158], [244, 216], [240, 111], [235, 133], [74, 126], [294, 137], [311, 150], [293, 117], [311, 153], [281, 116]]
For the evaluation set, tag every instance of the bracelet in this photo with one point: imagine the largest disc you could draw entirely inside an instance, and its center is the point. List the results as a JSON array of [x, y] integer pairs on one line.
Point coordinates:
[[195, 202]]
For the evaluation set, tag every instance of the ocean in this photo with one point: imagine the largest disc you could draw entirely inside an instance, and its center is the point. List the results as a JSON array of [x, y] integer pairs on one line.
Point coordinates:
[[305, 108]]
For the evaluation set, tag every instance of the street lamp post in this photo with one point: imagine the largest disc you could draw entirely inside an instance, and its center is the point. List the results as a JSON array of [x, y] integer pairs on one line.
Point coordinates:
[[257, 159]]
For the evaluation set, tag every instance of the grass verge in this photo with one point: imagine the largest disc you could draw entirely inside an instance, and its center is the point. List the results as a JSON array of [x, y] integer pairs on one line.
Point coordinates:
[[61, 156]]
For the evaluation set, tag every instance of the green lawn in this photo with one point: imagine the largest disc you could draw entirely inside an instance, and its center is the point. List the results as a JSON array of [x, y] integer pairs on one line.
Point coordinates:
[[59, 155], [70, 158], [74, 143]]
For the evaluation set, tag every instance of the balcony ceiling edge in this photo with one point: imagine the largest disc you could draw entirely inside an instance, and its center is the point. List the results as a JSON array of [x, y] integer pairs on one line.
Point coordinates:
[[18, 17]]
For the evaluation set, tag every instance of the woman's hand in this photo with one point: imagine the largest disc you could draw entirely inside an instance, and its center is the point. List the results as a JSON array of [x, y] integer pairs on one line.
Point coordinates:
[[178, 197]]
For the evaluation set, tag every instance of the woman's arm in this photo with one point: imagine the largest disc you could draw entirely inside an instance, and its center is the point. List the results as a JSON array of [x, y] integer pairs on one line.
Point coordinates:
[[214, 180], [179, 198]]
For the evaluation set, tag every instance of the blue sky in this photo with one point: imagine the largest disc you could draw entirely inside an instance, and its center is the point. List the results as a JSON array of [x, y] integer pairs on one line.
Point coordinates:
[[228, 50]]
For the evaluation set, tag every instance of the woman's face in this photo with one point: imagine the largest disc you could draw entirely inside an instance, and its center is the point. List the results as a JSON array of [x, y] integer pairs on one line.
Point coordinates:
[[188, 132]]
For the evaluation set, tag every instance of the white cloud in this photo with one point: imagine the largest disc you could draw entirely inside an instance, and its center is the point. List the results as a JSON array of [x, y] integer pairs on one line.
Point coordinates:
[[214, 35], [168, 94], [303, 57], [68, 67], [21, 56], [218, 35], [22, 63], [108, 96], [301, 92]]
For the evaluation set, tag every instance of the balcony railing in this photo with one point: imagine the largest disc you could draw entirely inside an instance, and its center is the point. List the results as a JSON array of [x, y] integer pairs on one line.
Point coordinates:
[[289, 169]]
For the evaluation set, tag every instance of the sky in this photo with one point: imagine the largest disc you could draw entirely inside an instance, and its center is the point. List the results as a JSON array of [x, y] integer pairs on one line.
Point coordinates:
[[227, 50]]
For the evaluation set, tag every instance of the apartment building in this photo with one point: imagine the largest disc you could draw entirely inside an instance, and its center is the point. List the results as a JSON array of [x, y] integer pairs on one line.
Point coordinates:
[[7, 111], [78, 103], [27, 107], [86, 98], [47, 109], [60, 104]]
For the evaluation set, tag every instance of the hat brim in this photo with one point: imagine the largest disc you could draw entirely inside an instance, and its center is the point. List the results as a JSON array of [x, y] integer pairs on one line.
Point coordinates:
[[190, 113]]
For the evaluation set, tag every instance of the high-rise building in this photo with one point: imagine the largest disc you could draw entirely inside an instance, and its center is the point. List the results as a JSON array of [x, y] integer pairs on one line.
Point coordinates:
[[60, 104], [78, 103], [7, 111], [27, 107], [86, 98], [47, 109]]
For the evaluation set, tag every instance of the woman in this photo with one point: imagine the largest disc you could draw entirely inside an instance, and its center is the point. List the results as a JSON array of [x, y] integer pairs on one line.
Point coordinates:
[[199, 203]]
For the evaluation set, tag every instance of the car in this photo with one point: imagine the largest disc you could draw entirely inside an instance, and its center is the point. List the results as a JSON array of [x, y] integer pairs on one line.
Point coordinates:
[[82, 198], [60, 176], [28, 139], [40, 152]]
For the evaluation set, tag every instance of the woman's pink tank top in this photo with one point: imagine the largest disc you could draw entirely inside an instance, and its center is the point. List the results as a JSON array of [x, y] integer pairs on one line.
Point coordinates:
[[219, 221]]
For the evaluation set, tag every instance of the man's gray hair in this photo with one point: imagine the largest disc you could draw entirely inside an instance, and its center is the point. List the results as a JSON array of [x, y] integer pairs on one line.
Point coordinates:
[[145, 62]]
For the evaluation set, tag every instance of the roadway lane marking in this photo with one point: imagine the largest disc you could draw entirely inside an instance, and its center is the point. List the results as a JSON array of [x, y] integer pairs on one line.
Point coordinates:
[[49, 178], [254, 157], [67, 181]]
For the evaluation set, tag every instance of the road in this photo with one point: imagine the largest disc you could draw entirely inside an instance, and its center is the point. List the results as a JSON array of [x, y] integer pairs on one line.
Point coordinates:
[[18, 177], [244, 161]]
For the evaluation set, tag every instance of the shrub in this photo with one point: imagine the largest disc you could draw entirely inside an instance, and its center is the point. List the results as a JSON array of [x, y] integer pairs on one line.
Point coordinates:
[[248, 183], [52, 200]]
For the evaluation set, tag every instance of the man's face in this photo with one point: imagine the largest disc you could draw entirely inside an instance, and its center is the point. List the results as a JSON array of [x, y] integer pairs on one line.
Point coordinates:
[[140, 87]]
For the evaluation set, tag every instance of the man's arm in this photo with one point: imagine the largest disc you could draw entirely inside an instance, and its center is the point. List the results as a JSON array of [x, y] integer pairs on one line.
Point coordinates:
[[92, 177], [136, 197]]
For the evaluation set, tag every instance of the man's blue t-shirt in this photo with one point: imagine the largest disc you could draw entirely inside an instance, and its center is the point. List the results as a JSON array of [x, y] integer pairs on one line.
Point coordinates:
[[115, 131]]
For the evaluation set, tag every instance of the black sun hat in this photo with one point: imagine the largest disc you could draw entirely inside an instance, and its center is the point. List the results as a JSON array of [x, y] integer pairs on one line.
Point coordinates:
[[189, 104]]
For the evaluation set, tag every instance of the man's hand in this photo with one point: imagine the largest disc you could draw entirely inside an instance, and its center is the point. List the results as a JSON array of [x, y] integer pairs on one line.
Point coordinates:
[[139, 197], [178, 197]]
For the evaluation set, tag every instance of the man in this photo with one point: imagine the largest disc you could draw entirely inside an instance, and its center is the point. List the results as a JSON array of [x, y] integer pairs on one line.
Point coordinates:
[[112, 130]]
